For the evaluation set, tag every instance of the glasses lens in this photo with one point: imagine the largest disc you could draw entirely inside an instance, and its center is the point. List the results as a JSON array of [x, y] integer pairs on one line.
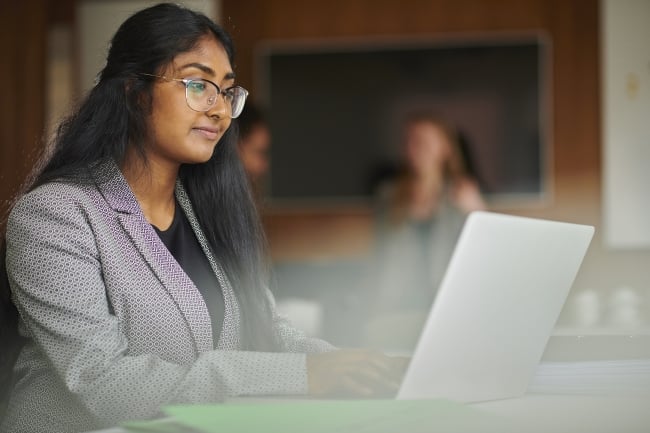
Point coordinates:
[[237, 98], [200, 94]]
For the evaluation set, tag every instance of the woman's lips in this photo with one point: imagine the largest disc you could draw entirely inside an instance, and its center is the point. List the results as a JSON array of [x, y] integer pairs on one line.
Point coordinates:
[[207, 132]]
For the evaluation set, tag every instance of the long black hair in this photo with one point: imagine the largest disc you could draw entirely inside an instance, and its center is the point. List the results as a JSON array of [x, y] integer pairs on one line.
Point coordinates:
[[114, 116]]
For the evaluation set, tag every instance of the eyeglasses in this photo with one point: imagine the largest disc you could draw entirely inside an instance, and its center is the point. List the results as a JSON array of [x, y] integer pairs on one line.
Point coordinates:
[[201, 95]]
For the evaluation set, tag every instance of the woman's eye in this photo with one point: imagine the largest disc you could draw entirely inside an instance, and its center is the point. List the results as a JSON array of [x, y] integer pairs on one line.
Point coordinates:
[[229, 94], [197, 86]]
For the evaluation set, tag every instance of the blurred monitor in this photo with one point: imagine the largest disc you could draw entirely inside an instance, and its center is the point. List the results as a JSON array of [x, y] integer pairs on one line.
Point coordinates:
[[335, 111]]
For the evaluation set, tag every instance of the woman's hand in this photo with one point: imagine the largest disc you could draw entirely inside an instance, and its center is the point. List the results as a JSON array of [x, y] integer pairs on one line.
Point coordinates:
[[354, 373], [467, 196]]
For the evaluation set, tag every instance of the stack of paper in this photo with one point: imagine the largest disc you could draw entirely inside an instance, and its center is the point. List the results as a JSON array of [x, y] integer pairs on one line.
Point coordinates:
[[611, 377]]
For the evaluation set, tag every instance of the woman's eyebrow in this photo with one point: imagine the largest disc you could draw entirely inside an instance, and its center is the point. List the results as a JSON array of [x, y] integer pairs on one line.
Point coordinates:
[[200, 66], [208, 70]]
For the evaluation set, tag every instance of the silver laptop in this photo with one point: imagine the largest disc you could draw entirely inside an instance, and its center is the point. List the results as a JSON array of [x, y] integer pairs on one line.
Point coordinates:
[[497, 304]]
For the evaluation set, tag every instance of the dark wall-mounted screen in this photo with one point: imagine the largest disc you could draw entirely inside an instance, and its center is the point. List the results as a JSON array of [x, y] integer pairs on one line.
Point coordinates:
[[335, 112]]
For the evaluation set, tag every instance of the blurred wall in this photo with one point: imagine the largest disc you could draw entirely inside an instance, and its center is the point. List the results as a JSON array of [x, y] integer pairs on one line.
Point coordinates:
[[572, 27], [23, 25]]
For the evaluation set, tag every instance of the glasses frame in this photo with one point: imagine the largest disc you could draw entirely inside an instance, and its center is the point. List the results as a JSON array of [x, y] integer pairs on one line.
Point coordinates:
[[222, 92]]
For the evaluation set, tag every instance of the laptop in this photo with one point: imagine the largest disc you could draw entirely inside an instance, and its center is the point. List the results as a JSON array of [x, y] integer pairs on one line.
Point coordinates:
[[496, 307]]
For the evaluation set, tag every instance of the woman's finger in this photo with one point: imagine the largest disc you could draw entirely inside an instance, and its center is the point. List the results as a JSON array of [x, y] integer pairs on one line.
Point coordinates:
[[354, 387]]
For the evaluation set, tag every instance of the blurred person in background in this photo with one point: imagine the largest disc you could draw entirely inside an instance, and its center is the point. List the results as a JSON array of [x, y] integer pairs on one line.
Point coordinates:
[[418, 217], [254, 147]]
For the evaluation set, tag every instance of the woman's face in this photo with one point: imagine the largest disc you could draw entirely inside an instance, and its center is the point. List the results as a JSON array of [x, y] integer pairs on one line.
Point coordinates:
[[180, 135], [426, 147]]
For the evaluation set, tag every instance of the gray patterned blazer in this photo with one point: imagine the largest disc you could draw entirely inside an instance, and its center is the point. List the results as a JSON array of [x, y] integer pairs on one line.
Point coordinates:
[[116, 329]]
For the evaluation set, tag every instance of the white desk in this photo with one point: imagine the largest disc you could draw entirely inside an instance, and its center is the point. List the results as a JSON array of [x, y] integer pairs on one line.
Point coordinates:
[[546, 413], [597, 346], [575, 414]]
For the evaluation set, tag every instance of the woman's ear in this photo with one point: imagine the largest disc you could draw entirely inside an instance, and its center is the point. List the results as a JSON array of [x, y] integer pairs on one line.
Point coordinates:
[[134, 91], [128, 85]]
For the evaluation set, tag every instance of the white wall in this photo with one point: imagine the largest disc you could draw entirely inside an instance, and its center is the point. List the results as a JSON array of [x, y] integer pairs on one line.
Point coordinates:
[[626, 122]]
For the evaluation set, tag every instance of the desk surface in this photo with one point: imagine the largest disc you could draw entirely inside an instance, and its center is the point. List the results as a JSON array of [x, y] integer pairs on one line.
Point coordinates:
[[597, 347], [575, 414], [535, 413]]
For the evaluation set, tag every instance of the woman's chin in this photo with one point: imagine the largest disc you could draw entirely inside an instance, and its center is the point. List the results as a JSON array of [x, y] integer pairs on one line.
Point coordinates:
[[201, 153]]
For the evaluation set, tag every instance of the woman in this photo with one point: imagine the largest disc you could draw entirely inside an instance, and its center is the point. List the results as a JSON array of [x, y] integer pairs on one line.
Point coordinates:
[[419, 217], [135, 257]]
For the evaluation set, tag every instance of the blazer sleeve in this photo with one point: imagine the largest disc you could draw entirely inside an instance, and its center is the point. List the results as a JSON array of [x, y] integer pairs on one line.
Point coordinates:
[[56, 280], [293, 339]]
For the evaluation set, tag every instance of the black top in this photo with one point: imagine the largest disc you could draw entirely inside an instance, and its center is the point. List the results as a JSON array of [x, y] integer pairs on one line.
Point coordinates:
[[181, 242]]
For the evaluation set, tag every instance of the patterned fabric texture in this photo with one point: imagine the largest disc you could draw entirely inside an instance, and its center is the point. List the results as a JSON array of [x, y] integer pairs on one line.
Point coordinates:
[[116, 329]]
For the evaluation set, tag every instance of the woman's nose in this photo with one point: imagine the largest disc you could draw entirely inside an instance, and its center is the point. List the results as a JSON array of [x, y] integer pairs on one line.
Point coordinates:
[[220, 109]]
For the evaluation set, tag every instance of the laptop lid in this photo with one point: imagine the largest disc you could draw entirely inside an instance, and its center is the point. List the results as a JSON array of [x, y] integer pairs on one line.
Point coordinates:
[[501, 295]]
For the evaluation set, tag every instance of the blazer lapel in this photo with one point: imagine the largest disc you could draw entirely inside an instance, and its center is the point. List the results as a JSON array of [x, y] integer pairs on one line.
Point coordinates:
[[229, 338], [118, 194]]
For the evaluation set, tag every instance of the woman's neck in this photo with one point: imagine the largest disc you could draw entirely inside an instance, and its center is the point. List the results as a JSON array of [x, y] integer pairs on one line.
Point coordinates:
[[153, 185], [431, 180], [426, 192]]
